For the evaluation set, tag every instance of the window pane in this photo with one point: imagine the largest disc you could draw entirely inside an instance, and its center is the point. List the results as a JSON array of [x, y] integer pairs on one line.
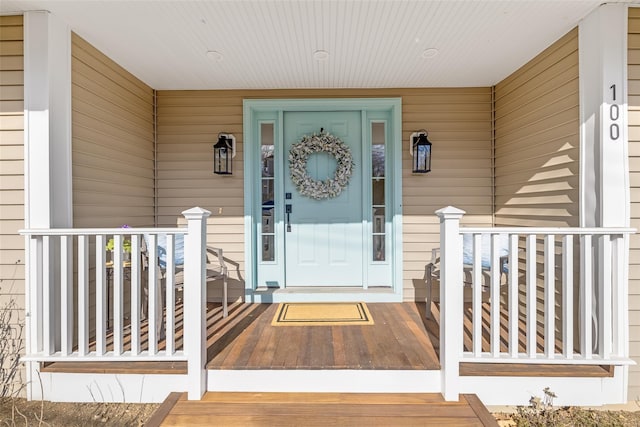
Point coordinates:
[[267, 192], [378, 248], [378, 192], [377, 149], [266, 139], [267, 248], [378, 220], [378, 160], [267, 220]]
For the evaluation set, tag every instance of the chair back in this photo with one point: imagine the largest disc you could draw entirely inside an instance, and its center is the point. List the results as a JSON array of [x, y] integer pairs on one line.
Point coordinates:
[[503, 250], [178, 253]]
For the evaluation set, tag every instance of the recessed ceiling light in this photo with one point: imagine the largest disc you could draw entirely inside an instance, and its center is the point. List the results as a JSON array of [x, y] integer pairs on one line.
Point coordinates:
[[432, 52], [215, 55], [320, 55]]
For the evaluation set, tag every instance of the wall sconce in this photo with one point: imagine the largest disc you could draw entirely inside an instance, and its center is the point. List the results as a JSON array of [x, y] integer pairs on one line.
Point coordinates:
[[420, 149], [223, 151]]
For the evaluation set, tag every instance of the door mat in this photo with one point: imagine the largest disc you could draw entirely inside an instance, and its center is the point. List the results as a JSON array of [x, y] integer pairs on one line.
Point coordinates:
[[322, 314]]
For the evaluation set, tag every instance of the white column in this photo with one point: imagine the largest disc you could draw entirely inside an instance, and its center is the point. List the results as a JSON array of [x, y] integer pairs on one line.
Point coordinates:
[[604, 166], [603, 109], [47, 115], [47, 145], [195, 300], [451, 300]]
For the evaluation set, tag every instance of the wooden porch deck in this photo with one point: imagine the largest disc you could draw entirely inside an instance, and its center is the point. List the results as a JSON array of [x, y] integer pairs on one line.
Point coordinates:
[[398, 339], [402, 338], [321, 409]]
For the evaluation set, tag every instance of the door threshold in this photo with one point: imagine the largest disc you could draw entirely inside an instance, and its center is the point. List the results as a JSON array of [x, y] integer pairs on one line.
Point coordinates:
[[323, 290], [324, 294]]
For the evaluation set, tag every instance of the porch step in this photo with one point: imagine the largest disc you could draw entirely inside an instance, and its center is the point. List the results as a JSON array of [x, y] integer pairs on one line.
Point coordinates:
[[321, 409]]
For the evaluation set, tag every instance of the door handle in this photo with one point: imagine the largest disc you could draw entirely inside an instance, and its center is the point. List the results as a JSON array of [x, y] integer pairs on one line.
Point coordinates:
[[287, 210]]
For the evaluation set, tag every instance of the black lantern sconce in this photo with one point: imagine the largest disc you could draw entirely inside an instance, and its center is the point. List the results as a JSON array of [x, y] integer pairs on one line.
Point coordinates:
[[223, 151], [420, 149]]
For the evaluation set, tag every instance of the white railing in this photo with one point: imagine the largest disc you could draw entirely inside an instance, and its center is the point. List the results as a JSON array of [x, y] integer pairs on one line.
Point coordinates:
[[527, 297], [86, 303]]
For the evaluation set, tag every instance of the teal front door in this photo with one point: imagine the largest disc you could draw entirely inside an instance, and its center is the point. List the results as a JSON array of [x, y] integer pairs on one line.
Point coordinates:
[[323, 239]]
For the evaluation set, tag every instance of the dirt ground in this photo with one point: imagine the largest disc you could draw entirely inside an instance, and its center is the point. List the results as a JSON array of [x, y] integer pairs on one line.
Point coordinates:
[[568, 417], [20, 412]]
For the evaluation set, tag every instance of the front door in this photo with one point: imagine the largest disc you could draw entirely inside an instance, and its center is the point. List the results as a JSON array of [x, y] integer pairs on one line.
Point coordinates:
[[324, 238], [309, 248]]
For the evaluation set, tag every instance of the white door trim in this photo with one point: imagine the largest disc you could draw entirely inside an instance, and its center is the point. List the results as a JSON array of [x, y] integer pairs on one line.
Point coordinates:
[[251, 109]]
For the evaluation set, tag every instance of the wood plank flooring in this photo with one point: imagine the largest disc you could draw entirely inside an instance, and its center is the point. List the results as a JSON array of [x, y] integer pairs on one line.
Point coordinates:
[[322, 409], [397, 340], [401, 338]]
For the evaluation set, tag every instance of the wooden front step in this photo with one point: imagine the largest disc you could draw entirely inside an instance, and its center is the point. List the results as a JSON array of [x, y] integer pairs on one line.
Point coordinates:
[[321, 409]]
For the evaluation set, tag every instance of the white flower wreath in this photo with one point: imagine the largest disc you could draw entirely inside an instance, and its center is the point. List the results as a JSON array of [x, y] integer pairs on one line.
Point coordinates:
[[322, 143]]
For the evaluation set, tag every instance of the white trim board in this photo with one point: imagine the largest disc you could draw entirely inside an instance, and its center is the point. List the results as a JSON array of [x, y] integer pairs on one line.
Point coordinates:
[[108, 388], [321, 380]]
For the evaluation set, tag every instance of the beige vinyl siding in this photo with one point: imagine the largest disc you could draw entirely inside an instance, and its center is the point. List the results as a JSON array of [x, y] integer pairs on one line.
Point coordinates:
[[537, 140], [459, 125], [634, 169], [12, 170], [113, 142]]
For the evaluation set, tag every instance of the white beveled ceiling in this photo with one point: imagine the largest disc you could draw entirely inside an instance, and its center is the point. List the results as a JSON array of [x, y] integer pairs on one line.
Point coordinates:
[[266, 44]]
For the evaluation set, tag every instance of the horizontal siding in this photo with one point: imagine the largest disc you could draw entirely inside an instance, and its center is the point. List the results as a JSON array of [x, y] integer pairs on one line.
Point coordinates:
[[113, 142], [12, 255], [634, 168], [459, 124], [537, 140]]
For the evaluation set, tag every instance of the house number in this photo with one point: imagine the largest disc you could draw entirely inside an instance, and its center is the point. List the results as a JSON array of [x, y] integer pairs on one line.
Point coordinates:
[[614, 115]]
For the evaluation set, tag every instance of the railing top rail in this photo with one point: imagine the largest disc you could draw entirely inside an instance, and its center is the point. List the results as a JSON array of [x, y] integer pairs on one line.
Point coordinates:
[[547, 230], [99, 231]]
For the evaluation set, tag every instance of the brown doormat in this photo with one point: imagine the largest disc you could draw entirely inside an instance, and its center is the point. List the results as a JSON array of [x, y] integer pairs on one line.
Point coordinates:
[[322, 314]]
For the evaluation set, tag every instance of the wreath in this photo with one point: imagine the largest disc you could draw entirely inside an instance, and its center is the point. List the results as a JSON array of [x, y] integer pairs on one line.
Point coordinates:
[[320, 143]]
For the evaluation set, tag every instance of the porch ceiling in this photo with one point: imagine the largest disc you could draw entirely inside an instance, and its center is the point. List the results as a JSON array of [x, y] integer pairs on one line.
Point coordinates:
[[265, 44]]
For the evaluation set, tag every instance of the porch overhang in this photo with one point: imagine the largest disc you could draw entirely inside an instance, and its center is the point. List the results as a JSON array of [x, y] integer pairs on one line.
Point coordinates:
[[286, 44]]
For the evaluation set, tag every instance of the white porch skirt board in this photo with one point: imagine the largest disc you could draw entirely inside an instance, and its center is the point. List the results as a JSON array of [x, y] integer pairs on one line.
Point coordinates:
[[108, 388], [137, 388]]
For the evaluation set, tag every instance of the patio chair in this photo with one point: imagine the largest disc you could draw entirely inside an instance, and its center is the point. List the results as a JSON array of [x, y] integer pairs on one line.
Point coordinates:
[[216, 268], [432, 269]]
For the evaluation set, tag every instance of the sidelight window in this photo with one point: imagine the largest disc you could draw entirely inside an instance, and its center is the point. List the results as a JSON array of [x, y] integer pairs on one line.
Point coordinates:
[[378, 185], [267, 190]]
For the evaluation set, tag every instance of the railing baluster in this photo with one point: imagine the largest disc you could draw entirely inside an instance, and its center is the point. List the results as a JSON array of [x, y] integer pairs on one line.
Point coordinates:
[[567, 295], [549, 295], [477, 294], [513, 295], [170, 291], [619, 302], [83, 295], [118, 272], [66, 299], [135, 294], [35, 294], [496, 271], [47, 299], [101, 295], [604, 299], [531, 334], [152, 294], [586, 298]]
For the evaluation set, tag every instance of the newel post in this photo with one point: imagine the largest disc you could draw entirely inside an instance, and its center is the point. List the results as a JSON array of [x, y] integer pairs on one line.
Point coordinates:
[[451, 300], [195, 299]]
